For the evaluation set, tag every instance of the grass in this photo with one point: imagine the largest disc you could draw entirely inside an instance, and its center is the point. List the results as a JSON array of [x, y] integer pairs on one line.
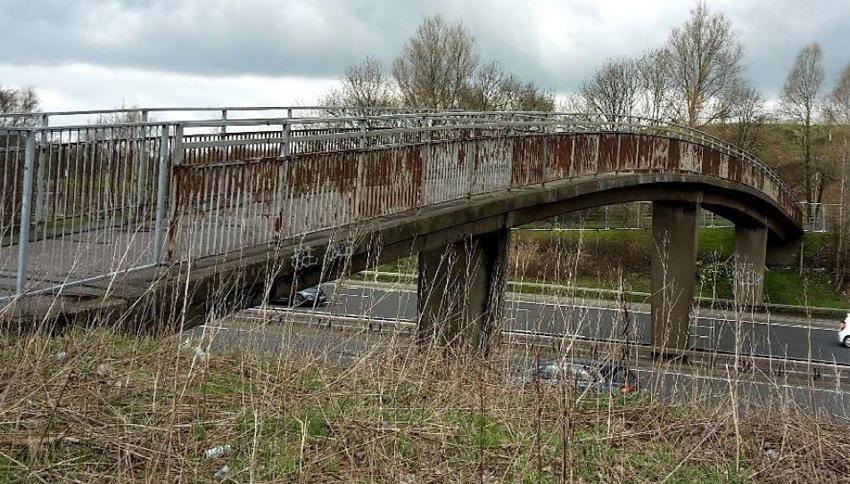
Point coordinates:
[[122, 409], [716, 248], [789, 287]]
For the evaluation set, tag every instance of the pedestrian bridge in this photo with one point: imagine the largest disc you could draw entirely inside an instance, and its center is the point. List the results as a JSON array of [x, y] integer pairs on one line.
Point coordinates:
[[129, 213]]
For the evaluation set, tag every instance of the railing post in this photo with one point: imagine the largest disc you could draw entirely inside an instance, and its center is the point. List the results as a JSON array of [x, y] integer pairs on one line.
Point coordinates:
[[470, 163], [285, 138], [45, 120], [285, 192], [545, 163], [162, 178], [512, 143], [223, 120], [424, 137], [40, 187], [176, 161], [361, 169], [26, 208]]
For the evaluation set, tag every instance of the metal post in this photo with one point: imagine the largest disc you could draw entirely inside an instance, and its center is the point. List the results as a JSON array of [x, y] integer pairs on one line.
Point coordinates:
[[361, 169], [470, 164], [426, 155], [160, 195], [285, 191], [284, 143], [223, 126], [545, 162], [26, 208], [40, 187], [178, 145], [141, 161]]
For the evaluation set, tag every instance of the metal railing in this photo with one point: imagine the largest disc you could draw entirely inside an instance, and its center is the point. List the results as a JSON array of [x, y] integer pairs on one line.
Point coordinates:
[[90, 201], [638, 216]]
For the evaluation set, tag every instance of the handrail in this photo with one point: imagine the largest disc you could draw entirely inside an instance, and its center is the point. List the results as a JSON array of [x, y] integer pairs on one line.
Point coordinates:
[[459, 119]]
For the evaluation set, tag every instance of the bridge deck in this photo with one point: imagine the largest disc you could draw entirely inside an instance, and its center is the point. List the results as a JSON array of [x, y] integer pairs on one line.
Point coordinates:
[[101, 198]]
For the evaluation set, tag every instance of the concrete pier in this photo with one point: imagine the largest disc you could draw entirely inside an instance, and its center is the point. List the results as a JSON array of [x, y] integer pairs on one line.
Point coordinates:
[[673, 266], [461, 292], [750, 254]]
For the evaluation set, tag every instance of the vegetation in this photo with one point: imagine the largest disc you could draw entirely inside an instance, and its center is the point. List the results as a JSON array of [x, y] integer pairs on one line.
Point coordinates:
[[626, 253], [439, 68], [94, 406], [18, 101]]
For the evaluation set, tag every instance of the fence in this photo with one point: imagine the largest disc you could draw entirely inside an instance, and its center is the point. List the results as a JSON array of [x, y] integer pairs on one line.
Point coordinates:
[[638, 215], [85, 203]]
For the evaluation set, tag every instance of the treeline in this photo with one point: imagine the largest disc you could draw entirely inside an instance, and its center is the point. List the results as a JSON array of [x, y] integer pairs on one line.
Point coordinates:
[[439, 68]]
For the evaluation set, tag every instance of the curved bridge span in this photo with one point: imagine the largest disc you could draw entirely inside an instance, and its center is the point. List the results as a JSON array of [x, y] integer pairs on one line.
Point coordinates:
[[141, 199]]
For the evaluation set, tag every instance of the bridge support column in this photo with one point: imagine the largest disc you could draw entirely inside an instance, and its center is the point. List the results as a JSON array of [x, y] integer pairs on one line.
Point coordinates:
[[750, 253], [673, 270], [461, 292]]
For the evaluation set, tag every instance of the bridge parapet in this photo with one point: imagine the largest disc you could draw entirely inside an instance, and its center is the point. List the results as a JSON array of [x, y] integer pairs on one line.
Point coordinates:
[[105, 199]]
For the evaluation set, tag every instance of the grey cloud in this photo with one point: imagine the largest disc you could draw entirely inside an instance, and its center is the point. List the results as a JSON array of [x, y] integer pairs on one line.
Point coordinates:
[[319, 38]]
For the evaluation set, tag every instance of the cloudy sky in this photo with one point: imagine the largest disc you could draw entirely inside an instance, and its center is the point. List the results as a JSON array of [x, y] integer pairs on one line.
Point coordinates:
[[87, 54]]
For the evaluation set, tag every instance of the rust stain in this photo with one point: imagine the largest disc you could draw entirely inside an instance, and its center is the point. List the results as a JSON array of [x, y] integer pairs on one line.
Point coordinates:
[[628, 152], [711, 163], [608, 152], [527, 161], [674, 153], [586, 154], [561, 156]]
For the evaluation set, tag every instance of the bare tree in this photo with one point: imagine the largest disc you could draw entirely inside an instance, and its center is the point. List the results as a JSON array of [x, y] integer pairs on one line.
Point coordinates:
[[838, 115], [704, 62], [18, 101], [528, 96], [365, 86], [655, 101], [800, 104], [436, 65], [486, 89], [507, 93], [613, 90], [492, 89], [743, 124]]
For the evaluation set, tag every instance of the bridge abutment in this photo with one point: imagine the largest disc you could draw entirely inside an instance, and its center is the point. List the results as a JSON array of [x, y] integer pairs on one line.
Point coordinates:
[[461, 290], [673, 265], [750, 255]]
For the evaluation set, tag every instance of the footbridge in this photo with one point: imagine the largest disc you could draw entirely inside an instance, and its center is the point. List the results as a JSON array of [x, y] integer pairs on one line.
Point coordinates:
[[159, 217]]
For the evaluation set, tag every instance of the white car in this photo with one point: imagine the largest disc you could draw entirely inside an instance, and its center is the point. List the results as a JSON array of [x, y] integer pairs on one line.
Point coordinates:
[[844, 334]]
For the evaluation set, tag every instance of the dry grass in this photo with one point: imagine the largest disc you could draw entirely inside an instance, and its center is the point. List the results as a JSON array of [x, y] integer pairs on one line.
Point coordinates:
[[101, 407]]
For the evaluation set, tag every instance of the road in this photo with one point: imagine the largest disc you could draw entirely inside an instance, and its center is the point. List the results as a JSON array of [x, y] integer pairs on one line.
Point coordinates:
[[668, 382], [781, 340]]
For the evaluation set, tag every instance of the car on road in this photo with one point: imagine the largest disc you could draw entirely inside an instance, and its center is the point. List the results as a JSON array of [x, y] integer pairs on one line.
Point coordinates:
[[312, 296], [844, 333], [584, 374]]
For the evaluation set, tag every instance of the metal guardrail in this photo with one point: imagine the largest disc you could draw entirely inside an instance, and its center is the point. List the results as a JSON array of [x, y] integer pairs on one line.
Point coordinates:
[[90, 201]]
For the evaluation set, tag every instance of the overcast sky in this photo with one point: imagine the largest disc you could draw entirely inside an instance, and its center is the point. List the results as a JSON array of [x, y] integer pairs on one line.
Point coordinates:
[[87, 54]]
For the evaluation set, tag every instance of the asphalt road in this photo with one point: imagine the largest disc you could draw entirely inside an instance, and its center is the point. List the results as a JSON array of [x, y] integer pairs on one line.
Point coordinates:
[[781, 340], [670, 383]]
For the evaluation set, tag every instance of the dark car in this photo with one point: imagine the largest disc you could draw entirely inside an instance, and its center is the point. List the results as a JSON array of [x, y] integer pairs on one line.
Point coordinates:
[[312, 296], [591, 375]]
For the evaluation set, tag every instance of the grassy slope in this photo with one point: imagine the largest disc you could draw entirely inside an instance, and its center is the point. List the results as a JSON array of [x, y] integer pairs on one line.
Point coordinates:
[[716, 245], [117, 409]]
